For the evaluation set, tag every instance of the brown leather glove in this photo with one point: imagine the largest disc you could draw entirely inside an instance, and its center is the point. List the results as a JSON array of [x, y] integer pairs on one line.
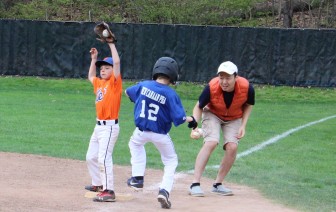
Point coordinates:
[[109, 37]]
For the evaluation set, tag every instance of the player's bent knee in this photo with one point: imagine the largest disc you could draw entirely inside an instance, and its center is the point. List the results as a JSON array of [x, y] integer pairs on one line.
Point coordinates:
[[230, 146], [90, 158], [211, 144]]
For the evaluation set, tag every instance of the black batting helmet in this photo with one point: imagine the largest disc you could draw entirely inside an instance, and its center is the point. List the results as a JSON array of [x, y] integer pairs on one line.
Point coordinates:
[[166, 66]]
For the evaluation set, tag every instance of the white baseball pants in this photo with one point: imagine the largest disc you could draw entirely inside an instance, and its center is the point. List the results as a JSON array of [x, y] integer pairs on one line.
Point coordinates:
[[167, 151], [99, 155]]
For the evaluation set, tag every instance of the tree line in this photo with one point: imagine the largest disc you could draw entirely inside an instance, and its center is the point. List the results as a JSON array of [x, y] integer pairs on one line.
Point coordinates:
[[243, 13]]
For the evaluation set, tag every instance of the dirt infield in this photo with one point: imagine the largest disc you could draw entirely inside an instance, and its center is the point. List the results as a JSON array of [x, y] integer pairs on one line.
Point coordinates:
[[39, 183]]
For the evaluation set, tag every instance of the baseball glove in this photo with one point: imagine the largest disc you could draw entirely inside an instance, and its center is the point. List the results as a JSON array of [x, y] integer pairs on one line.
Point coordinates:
[[106, 36], [193, 124]]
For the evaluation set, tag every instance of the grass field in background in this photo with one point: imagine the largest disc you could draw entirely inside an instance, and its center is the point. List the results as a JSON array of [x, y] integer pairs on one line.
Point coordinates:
[[55, 117]]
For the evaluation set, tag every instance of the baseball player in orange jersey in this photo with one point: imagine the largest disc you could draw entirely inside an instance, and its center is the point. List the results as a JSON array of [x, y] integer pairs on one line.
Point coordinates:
[[108, 90]]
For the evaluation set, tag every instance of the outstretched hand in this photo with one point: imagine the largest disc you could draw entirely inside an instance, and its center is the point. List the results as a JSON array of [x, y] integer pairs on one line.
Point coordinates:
[[94, 53]]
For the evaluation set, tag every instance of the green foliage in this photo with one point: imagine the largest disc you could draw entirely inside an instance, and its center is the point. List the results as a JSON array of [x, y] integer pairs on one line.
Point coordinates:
[[60, 10], [202, 12], [34, 10]]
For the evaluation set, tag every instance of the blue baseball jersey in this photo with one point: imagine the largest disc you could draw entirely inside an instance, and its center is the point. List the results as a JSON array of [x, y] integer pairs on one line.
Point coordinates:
[[156, 107]]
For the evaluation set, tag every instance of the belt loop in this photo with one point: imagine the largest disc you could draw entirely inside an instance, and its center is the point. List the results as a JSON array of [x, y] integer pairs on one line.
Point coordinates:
[[104, 122]]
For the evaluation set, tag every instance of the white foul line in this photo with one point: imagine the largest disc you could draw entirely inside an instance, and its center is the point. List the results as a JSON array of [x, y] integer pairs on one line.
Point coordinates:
[[272, 140], [278, 137]]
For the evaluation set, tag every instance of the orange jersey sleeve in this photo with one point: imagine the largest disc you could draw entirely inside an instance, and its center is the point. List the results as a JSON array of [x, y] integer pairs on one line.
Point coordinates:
[[108, 97]]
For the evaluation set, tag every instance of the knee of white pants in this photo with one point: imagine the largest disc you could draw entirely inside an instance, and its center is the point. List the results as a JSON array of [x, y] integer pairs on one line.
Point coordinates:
[[105, 162], [172, 163], [90, 158]]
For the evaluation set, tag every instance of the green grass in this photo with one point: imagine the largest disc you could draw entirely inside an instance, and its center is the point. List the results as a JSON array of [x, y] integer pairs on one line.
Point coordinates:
[[55, 117]]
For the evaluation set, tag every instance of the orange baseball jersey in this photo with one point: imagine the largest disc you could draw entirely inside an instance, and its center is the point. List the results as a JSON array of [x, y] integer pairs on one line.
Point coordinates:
[[108, 97]]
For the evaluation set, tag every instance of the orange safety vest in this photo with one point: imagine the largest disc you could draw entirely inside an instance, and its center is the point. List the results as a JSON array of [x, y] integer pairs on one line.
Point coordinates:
[[108, 97], [217, 104]]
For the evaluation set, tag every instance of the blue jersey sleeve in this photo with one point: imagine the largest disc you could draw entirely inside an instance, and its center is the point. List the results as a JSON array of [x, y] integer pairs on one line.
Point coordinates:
[[132, 92], [177, 111]]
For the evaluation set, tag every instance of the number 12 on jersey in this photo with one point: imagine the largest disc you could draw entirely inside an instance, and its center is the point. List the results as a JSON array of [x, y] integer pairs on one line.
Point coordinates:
[[153, 110]]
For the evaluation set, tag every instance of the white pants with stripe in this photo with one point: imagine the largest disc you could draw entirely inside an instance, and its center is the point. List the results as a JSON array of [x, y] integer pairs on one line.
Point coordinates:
[[165, 146], [99, 155]]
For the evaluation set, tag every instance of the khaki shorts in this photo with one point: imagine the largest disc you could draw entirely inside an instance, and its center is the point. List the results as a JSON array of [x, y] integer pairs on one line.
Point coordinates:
[[212, 126]]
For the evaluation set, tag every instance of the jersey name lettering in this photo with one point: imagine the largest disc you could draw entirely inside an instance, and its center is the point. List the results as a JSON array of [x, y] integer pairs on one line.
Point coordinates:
[[153, 95]]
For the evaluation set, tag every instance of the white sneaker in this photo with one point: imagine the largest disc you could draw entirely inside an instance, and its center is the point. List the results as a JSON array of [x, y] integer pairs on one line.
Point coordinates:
[[196, 191], [221, 190]]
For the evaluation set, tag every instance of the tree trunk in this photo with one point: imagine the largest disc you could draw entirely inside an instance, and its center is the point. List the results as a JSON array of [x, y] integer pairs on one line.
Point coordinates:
[[302, 17], [334, 11], [273, 16], [318, 24], [288, 14], [280, 9]]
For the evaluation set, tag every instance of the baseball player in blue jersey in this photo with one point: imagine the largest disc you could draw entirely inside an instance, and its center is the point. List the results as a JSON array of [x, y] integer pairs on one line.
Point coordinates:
[[157, 106]]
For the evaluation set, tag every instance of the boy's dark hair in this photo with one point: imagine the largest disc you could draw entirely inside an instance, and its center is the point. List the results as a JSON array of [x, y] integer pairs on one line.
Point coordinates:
[[162, 75]]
